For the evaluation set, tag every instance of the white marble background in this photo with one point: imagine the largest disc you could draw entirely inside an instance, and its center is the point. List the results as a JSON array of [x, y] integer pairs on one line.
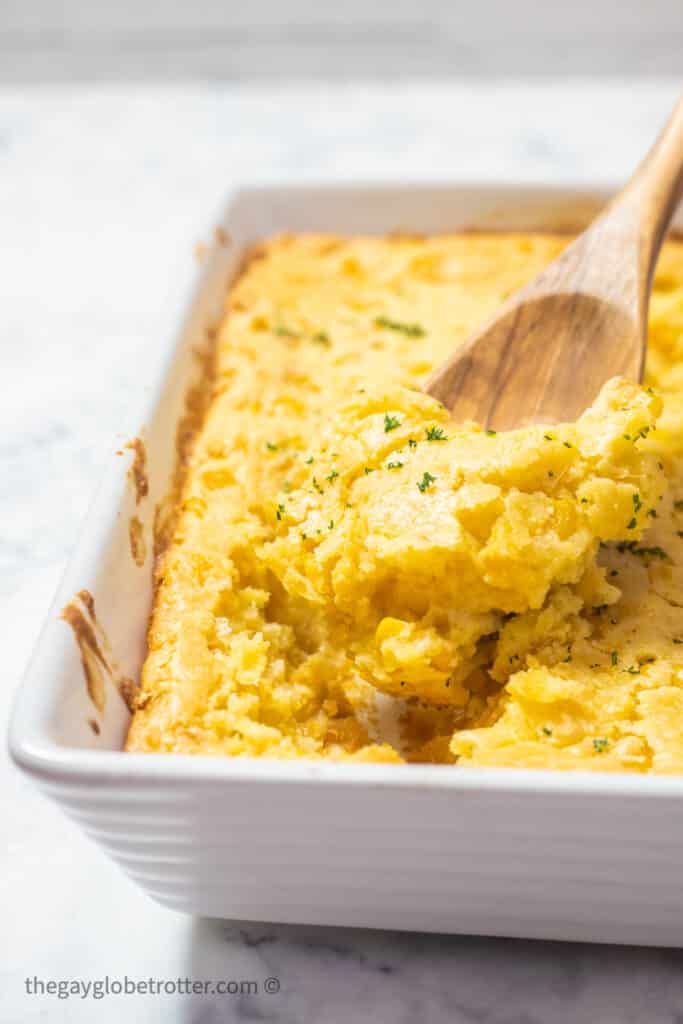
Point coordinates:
[[100, 190], [74, 40]]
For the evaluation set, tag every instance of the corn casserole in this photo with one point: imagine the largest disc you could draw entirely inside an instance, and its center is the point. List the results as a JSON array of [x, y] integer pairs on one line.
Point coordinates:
[[353, 576]]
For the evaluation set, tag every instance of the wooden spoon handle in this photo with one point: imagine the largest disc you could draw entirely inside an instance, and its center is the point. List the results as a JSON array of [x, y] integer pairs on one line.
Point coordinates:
[[655, 191]]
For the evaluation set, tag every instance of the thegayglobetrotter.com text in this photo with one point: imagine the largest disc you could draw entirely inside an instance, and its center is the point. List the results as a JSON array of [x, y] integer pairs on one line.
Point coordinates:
[[107, 986]]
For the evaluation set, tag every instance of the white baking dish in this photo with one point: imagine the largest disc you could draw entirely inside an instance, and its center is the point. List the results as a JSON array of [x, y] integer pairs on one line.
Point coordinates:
[[497, 852]]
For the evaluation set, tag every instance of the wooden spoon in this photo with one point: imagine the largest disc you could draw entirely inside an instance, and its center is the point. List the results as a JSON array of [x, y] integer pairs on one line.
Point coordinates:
[[552, 345]]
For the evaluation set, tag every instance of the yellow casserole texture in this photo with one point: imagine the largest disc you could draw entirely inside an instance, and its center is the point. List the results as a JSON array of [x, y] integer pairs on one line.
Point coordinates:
[[353, 576]]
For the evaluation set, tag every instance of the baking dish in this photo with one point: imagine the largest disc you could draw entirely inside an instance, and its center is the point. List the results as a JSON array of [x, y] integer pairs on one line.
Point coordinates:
[[498, 852]]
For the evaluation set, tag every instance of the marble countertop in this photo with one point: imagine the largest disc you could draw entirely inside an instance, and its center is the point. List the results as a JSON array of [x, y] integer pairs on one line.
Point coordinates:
[[99, 191]]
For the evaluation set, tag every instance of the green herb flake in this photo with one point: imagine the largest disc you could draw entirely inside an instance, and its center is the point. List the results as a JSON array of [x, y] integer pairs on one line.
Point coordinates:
[[546, 731], [567, 444], [332, 476], [614, 657], [368, 470], [394, 465], [631, 525], [271, 447], [284, 332], [548, 437], [317, 487], [309, 460], [637, 502], [410, 330], [491, 433], [435, 434], [412, 443], [280, 511], [321, 338], [600, 745], [426, 481], [652, 552], [330, 525], [390, 422]]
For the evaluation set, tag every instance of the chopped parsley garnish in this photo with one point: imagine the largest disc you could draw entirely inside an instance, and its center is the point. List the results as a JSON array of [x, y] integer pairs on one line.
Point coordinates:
[[271, 447], [567, 444], [284, 332], [412, 443], [426, 481], [600, 745], [614, 657], [321, 338], [280, 511], [548, 437], [631, 525], [654, 552], [390, 422], [332, 476], [491, 433], [394, 465], [410, 330], [637, 502], [317, 486], [309, 460], [435, 434], [634, 670], [330, 525], [367, 470], [547, 731], [676, 640]]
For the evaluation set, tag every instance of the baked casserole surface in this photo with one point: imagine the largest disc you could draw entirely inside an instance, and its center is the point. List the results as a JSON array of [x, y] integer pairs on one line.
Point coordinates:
[[353, 576]]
